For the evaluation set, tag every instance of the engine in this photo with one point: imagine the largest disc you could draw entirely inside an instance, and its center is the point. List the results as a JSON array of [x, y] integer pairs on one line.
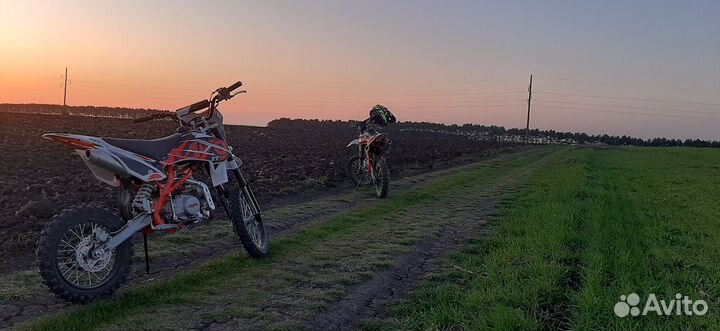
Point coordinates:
[[189, 206], [183, 208]]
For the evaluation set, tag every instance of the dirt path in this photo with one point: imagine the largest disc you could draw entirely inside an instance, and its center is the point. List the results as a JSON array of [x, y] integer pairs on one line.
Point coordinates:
[[335, 279], [365, 302], [23, 296]]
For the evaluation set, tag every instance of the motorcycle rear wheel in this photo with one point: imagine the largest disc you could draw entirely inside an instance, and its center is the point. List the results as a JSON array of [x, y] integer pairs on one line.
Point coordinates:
[[65, 265], [356, 172]]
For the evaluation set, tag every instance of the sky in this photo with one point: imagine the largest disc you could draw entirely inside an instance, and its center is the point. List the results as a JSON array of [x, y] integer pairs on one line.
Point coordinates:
[[640, 68]]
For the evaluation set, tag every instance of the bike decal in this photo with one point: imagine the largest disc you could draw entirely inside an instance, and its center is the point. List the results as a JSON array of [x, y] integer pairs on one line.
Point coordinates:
[[77, 142], [199, 150]]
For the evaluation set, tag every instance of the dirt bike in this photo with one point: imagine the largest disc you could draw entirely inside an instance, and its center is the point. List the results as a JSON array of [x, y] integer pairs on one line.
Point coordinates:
[[370, 166], [85, 252]]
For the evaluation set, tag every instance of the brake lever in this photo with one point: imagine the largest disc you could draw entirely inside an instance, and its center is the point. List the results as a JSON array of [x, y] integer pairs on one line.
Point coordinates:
[[238, 92]]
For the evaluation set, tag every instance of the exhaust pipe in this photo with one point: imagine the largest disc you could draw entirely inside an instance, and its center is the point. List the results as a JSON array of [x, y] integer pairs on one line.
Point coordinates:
[[106, 161]]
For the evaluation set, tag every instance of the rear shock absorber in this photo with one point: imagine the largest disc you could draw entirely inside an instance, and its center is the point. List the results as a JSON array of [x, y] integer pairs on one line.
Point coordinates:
[[141, 202]]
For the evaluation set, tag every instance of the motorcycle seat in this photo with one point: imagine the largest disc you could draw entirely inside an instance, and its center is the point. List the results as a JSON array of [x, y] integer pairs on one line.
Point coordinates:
[[155, 149]]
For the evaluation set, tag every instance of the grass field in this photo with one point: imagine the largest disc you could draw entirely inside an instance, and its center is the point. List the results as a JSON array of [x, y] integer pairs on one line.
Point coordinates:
[[595, 225], [547, 239]]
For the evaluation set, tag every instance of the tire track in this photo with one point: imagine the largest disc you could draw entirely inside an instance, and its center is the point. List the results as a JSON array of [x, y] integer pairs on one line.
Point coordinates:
[[332, 268], [298, 218], [366, 301]]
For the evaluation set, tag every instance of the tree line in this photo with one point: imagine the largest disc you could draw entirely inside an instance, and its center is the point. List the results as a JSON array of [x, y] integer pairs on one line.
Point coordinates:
[[494, 131]]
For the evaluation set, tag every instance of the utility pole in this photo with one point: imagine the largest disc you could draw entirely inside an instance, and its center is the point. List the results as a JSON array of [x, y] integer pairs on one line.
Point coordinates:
[[527, 126], [65, 86]]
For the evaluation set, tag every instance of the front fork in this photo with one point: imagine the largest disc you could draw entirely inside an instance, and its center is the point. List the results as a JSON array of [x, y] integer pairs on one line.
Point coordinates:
[[247, 192], [365, 156]]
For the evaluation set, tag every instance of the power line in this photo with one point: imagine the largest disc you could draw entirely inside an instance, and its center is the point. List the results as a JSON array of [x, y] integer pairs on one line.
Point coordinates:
[[630, 107], [452, 102], [631, 99], [429, 103], [301, 105], [365, 95], [632, 84], [627, 112]]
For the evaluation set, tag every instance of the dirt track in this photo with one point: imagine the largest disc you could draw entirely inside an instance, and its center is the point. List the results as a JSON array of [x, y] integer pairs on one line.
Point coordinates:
[[173, 254], [365, 302], [365, 297]]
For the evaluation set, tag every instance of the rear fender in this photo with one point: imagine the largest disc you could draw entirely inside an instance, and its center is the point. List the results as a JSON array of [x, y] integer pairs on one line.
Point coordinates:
[[74, 141], [354, 142], [132, 165]]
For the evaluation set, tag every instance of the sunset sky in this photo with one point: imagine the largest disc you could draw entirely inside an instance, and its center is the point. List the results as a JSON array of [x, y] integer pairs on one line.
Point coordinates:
[[642, 68]]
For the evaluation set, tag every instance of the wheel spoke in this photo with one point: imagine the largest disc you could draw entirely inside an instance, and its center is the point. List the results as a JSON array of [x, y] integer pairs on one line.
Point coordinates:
[[67, 243], [82, 272], [69, 269], [252, 227], [77, 235]]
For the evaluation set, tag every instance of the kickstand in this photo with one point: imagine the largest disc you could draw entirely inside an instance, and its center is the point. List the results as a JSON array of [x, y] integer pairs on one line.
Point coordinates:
[[147, 257]]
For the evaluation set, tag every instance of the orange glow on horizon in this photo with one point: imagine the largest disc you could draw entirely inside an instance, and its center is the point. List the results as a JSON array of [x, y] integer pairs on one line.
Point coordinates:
[[335, 60]]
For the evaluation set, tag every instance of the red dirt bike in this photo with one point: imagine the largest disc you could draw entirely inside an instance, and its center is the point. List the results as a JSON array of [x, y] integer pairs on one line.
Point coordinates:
[[85, 253], [370, 165]]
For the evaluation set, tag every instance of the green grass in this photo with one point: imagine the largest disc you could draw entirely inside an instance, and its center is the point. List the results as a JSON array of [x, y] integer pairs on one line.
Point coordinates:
[[305, 272], [588, 226], [595, 225], [15, 286]]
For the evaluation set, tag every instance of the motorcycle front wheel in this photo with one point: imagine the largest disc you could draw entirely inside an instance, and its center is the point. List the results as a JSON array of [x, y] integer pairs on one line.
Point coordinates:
[[248, 225], [382, 178]]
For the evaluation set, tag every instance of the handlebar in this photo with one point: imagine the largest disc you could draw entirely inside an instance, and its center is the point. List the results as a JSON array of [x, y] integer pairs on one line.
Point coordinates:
[[234, 86], [200, 105], [221, 94]]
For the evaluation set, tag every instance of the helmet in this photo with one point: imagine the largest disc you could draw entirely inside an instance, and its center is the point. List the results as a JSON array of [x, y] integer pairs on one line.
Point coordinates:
[[381, 115]]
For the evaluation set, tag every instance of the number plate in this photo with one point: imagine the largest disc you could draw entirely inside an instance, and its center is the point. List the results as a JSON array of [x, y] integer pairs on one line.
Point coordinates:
[[218, 173]]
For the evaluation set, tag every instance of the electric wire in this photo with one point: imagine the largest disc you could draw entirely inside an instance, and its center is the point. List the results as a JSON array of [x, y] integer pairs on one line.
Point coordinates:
[[628, 107], [630, 99], [625, 112]]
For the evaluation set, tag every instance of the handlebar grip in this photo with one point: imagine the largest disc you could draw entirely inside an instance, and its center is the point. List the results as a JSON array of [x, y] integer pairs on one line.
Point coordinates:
[[199, 106], [234, 86]]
